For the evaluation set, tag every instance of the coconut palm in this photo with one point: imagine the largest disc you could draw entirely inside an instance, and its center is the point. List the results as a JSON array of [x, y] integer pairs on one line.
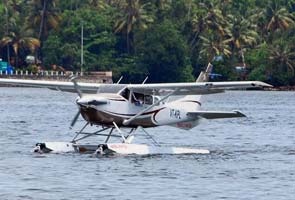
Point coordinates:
[[20, 41], [214, 19], [43, 16], [208, 18], [277, 17], [213, 46], [283, 58], [133, 15], [242, 35], [11, 18]]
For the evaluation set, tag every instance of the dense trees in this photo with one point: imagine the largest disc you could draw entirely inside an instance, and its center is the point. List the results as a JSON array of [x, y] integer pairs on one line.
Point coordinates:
[[164, 54], [164, 39]]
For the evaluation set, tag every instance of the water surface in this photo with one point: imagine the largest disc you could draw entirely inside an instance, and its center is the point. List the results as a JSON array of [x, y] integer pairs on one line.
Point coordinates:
[[252, 158]]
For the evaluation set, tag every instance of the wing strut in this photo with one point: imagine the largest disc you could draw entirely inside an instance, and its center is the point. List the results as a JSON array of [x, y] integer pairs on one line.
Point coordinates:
[[126, 122], [120, 132]]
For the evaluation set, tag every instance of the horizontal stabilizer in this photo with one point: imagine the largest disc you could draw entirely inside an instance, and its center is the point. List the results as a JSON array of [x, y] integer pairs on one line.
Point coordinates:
[[215, 114]]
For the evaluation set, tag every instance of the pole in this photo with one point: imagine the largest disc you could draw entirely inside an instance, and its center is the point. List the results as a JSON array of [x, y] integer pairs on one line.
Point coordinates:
[[82, 52]]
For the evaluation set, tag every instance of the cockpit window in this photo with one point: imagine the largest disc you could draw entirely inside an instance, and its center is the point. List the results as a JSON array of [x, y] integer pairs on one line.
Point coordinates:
[[125, 93], [140, 99], [148, 99], [137, 98]]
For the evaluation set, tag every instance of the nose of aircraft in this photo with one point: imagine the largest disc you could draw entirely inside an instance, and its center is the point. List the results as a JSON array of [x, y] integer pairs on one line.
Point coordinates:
[[90, 101]]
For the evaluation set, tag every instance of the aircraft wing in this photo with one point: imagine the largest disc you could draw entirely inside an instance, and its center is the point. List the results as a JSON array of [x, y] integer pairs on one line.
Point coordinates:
[[194, 88], [215, 114], [90, 88]]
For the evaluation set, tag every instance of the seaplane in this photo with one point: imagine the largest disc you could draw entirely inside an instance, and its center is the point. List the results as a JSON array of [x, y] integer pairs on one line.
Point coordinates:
[[122, 110]]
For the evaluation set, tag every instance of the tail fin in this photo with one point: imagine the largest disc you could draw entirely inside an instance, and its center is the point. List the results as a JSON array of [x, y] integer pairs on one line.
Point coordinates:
[[204, 76]]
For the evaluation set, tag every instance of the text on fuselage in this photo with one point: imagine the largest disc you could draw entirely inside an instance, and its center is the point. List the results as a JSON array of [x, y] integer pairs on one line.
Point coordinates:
[[174, 113]]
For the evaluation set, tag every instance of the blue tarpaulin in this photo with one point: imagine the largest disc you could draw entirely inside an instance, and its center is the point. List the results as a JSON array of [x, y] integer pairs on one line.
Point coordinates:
[[5, 66]]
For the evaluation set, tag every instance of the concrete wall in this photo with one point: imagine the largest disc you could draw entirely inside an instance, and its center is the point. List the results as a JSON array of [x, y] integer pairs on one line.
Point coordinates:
[[91, 77]]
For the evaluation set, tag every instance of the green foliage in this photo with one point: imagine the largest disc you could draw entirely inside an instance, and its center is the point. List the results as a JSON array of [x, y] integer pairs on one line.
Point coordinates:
[[258, 63], [129, 70], [270, 63], [163, 52], [164, 39], [228, 73], [64, 47], [2, 19], [259, 74]]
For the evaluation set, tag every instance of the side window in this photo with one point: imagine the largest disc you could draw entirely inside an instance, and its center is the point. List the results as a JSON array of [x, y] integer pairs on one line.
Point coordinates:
[[148, 99], [157, 99], [137, 97]]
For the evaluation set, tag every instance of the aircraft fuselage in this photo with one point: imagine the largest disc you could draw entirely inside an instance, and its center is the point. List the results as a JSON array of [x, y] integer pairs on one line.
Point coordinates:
[[104, 109]]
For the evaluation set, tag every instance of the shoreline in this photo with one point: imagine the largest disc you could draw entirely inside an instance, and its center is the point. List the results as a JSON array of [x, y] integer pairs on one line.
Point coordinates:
[[88, 78], [281, 88]]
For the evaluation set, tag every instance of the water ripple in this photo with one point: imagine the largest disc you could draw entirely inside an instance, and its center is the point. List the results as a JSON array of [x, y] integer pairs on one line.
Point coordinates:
[[250, 158]]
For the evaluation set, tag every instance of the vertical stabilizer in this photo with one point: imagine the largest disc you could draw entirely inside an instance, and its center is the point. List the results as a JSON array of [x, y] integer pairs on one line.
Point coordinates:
[[204, 76], [195, 100]]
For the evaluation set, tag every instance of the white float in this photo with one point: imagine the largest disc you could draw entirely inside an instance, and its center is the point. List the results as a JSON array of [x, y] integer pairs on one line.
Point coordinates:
[[113, 148]]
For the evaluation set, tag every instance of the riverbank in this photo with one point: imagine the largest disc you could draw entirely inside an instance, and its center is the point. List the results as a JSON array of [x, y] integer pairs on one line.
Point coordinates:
[[89, 77], [281, 88]]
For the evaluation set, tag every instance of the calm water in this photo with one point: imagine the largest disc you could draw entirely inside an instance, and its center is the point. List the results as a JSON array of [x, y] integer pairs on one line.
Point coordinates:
[[252, 158]]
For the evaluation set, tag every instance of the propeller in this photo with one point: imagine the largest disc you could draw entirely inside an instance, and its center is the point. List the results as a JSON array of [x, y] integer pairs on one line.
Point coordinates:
[[75, 119], [79, 92], [76, 86]]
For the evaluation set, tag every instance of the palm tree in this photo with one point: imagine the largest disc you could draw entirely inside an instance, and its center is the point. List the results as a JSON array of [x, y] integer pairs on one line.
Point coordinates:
[[20, 41], [276, 18], [42, 19], [44, 16], [133, 15], [11, 18], [214, 19], [242, 35], [213, 46], [283, 58], [208, 18]]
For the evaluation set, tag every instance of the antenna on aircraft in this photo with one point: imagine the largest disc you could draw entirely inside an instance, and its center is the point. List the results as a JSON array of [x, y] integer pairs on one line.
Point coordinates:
[[119, 80], [146, 78]]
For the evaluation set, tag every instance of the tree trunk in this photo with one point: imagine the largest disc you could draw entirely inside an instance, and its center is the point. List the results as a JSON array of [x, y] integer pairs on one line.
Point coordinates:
[[42, 20], [127, 41], [243, 57], [7, 31], [41, 28]]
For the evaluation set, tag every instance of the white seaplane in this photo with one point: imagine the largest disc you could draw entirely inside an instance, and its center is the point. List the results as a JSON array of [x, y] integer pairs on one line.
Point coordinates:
[[134, 107]]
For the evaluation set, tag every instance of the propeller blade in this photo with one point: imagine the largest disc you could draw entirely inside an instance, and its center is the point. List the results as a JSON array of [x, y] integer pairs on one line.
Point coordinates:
[[75, 119], [76, 86]]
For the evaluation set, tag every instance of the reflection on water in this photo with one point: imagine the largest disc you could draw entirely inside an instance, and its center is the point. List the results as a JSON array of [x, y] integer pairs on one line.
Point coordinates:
[[251, 158]]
